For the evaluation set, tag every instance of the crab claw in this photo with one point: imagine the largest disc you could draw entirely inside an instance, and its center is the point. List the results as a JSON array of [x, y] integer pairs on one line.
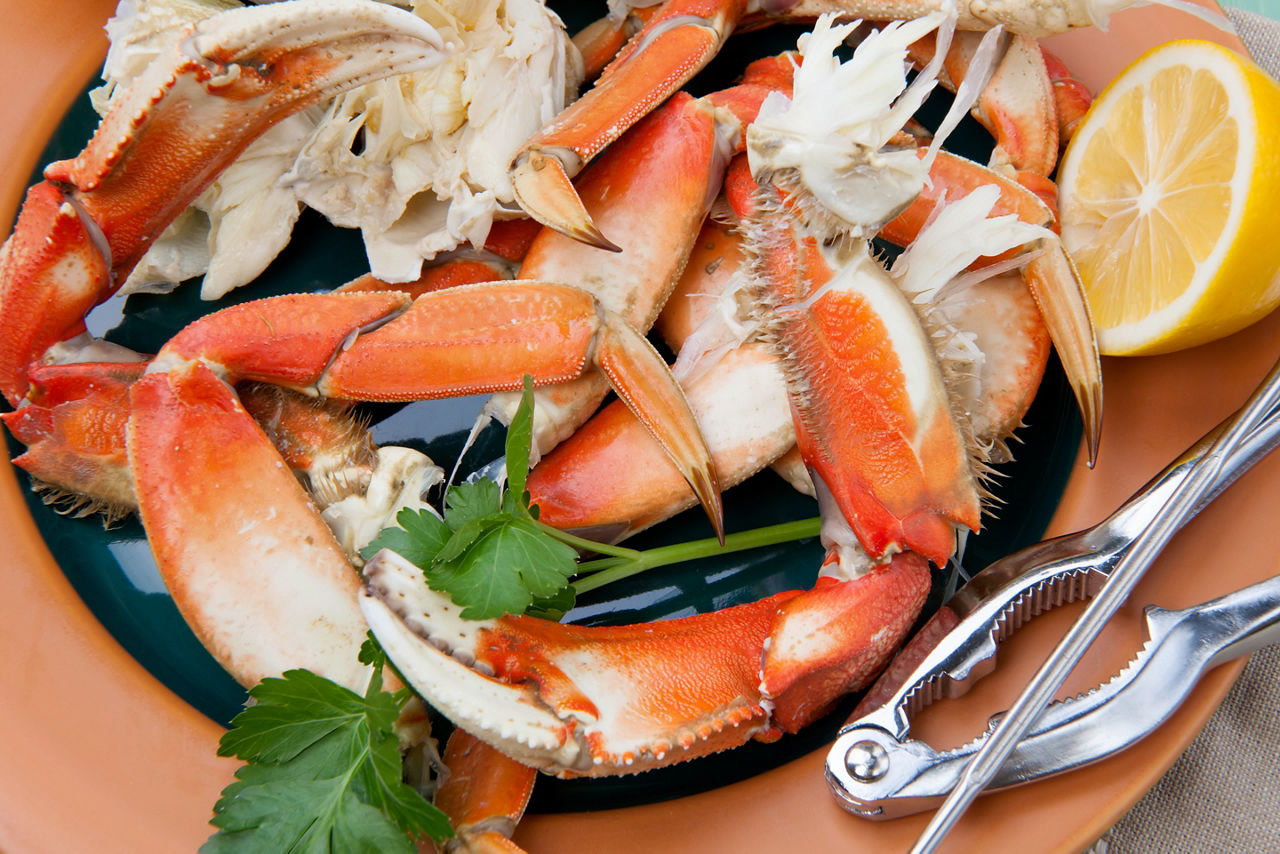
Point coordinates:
[[224, 81], [571, 700], [601, 700], [544, 190], [807, 663]]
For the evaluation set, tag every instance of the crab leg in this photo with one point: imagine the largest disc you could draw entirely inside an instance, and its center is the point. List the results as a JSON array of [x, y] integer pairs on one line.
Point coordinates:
[[1050, 276], [226, 79], [673, 45], [262, 584], [611, 479], [484, 793], [677, 38], [871, 411], [1017, 105], [227, 560], [1070, 96], [651, 189]]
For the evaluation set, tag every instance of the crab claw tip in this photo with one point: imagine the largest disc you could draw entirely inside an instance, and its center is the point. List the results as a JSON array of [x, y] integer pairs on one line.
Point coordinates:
[[542, 187]]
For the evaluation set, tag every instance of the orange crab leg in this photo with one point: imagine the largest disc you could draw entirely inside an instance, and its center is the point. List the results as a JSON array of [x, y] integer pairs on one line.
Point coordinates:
[[673, 45], [837, 637], [600, 41], [651, 190], [74, 426], [224, 81], [484, 793], [611, 478], [871, 414], [196, 453], [1017, 105], [1070, 96], [457, 341], [227, 561]]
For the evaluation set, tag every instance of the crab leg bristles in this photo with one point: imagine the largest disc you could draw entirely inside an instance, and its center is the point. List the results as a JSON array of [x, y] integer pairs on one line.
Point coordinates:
[[1007, 329], [677, 42], [575, 700], [484, 794], [651, 189], [261, 582], [872, 415], [836, 637]]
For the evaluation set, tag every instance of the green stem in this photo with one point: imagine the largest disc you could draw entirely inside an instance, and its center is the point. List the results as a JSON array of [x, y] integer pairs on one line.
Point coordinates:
[[590, 545], [610, 569]]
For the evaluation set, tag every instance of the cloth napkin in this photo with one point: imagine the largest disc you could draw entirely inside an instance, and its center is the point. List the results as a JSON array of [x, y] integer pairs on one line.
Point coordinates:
[[1223, 794]]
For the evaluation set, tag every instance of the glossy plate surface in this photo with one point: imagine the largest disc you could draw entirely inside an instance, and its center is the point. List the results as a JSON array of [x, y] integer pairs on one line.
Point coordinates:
[[92, 730]]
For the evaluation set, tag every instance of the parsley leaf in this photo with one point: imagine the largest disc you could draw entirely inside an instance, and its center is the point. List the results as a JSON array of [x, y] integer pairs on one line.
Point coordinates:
[[508, 565], [519, 443], [488, 552], [323, 773], [471, 502], [419, 538]]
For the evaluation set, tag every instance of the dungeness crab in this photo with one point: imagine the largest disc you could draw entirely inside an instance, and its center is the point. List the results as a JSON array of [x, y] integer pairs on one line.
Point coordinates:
[[898, 462]]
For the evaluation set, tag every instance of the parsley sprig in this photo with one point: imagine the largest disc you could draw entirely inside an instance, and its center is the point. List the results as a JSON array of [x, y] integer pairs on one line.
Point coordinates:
[[324, 771], [493, 557], [489, 552]]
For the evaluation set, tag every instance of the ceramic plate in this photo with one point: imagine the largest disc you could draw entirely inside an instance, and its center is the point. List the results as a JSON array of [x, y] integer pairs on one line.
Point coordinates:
[[94, 731]]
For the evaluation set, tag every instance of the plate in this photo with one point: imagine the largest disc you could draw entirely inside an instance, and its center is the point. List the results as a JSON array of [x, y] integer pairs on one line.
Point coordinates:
[[95, 730]]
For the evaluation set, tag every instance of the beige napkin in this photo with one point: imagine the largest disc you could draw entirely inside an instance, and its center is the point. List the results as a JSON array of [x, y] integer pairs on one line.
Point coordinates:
[[1223, 794]]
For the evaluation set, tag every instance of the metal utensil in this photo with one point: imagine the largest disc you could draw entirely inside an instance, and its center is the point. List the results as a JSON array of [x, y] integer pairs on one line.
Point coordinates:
[[1181, 647], [1181, 505], [874, 768]]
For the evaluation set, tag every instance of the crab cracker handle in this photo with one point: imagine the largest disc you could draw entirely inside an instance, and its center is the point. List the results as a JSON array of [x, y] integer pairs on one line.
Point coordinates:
[[958, 644]]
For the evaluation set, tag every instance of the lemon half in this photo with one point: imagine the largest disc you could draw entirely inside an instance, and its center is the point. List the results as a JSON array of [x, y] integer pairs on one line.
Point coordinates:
[[1170, 199]]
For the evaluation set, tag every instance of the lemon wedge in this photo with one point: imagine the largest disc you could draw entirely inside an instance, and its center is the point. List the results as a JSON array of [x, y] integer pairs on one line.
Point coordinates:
[[1170, 197]]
